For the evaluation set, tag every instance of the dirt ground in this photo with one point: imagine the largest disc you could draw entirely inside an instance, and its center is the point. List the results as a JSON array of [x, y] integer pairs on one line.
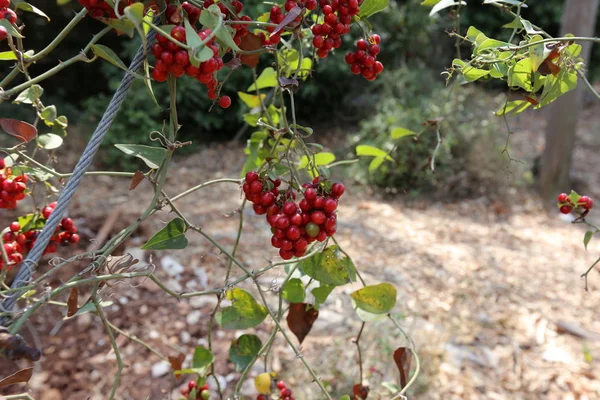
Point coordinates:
[[489, 289]]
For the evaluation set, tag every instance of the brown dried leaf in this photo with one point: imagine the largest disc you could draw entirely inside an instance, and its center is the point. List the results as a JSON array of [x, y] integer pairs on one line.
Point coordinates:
[[138, 177], [301, 318], [250, 42], [19, 129], [177, 361], [21, 376], [403, 357], [72, 302], [360, 391], [289, 18]]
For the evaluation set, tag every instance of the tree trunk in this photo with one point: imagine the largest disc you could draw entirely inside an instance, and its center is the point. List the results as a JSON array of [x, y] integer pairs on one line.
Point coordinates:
[[579, 18]]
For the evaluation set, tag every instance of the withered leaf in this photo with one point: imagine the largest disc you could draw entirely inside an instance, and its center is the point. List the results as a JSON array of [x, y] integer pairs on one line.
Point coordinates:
[[289, 18], [138, 177], [19, 129], [360, 391], [72, 302], [301, 318], [177, 361], [250, 42], [21, 376], [403, 358], [533, 101]]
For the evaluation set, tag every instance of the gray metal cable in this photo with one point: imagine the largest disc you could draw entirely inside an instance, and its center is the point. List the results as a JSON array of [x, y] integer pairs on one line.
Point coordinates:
[[28, 265]]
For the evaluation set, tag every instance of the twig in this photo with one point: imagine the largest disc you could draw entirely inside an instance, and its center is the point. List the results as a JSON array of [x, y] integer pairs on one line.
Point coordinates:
[[356, 342], [585, 274]]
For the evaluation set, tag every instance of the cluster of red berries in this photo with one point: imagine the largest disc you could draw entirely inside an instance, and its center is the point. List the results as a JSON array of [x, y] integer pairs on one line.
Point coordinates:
[[566, 205], [18, 241], [7, 14], [12, 188], [174, 60], [364, 60], [202, 392], [338, 17], [294, 225], [101, 9], [284, 392], [277, 15]]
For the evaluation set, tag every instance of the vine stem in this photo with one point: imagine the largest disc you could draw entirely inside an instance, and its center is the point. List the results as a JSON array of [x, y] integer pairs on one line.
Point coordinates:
[[60, 37], [356, 342], [412, 380], [551, 40], [22, 396], [53, 71], [137, 340], [586, 273], [113, 343]]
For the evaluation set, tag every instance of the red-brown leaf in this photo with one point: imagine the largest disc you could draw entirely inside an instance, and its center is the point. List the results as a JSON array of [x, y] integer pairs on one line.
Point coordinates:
[[19, 129], [533, 101], [177, 361], [138, 177], [403, 357], [250, 42], [21, 376], [301, 318], [72, 302], [360, 391]]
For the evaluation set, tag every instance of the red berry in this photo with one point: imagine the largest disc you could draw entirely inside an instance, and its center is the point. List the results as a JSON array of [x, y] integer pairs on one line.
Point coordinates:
[[178, 33], [327, 9], [4, 3], [9, 15], [275, 242], [8, 237], [318, 217], [586, 202], [301, 244], [267, 199], [349, 58], [310, 194], [562, 197], [566, 209], [374, 49], [321, 236], [290, 208], [293, 233], [286, 254], [66, 223], [286, 392], [286, 245], [283, 221], [330, 205], [258, 209], [281, 385], [337, 190], [16, 257], [362, 44], [182, 57], [251, 176], [256, 187], [319, 202], [166, 57], [15, 226], [224, 101], [318, 41], [296, 219], [261, 397], [47, 211], [375, 38]]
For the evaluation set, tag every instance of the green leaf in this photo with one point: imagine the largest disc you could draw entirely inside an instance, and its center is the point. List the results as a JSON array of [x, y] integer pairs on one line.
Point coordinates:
[[529, 27], [50, 141], [254, 160], [370, 7], [439, 6], [398, 133], [537, 53], [10, 28], [324, 158], [487, 44], [11, 159], [31, 222], [330, 267], [321, 293], [49, 114], [574, 196], [121, 25], [202, 359], [171, 236], [472, 74], [513, 107], [243, 350], [135, 13], [198, 52], [29, 95], [554, 87], [293, 291], [370, 151], [429, 3], [345, 397], [152, 156], [210, 18], [375, 164], [251, 100], [8, 56], [109, 55], [244, 312], [375, 299], [573, 50], [520, 74], [148, 82], [21, 5], [587, 237], [267, 79], [62, 2]]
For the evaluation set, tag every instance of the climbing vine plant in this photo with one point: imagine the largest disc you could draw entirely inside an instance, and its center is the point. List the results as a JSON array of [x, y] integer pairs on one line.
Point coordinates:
[[285, 177]]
